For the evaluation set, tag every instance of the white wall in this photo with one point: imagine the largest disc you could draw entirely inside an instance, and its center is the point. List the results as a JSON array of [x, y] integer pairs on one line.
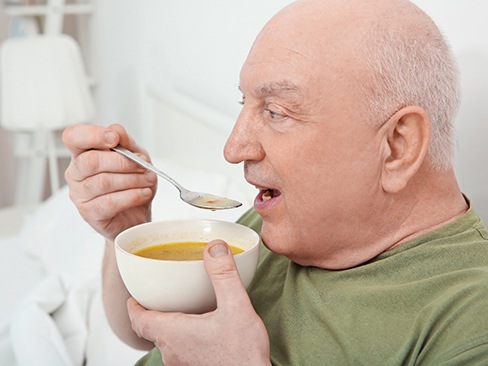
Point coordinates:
[[188, 45], [7, 168], [194, 49]]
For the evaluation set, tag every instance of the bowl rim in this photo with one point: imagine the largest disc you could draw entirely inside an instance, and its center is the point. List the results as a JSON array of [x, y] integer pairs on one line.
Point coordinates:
[[182, 221]]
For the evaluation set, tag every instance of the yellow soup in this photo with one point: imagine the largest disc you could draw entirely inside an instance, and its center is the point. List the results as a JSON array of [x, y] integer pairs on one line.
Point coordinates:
[[184, 251]]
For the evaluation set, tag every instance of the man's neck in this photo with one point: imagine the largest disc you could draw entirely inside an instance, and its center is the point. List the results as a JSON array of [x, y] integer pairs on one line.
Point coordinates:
[[438, 203]]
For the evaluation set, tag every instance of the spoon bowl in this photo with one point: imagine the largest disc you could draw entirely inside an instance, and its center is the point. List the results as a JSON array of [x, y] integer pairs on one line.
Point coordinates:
[[197, 199]]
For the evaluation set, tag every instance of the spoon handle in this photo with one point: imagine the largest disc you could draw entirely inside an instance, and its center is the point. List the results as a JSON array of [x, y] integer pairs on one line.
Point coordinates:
[[148, 166]]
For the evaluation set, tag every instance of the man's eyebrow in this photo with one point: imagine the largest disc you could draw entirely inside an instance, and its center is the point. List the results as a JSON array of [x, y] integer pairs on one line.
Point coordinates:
[[276, 87]]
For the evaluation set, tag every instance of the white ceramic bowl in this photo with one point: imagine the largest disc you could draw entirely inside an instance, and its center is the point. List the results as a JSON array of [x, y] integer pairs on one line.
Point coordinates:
[[181, 286]]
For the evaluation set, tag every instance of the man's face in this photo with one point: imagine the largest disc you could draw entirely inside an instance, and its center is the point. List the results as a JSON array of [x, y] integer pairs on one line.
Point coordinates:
[[304, 145]]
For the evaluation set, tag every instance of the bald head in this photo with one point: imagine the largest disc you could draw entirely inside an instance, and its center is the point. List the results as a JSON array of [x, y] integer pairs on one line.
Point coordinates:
[[333, 22], [350, 15], [388, 51]]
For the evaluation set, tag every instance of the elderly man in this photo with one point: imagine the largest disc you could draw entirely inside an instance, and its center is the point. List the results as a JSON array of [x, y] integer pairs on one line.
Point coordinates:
[[372, 253]]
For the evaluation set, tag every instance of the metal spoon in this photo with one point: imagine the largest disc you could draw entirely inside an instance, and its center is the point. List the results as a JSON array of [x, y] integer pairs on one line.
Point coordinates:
[[197, 199]]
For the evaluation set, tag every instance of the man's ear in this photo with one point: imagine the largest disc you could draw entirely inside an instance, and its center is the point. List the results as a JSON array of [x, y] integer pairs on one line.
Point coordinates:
[[407, 138]]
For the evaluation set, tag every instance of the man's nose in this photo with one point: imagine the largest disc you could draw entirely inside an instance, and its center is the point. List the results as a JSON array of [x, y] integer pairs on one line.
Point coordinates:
[[243, 143]]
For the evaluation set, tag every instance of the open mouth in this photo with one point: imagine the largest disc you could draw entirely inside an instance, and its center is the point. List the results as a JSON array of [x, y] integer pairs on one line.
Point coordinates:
[[268, 194]]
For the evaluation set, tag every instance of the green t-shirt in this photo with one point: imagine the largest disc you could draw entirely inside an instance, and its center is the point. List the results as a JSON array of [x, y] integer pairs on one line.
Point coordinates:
[[424, 302]]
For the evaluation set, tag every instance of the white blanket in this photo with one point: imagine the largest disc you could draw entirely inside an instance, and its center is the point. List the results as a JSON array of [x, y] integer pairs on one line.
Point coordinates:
[[49, 327]]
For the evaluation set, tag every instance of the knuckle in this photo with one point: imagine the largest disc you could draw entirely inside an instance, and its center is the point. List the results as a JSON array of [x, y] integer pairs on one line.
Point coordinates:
[[68, 174], [103, 182], [101, 206], [87, 186], [88, 162], [96, 209]]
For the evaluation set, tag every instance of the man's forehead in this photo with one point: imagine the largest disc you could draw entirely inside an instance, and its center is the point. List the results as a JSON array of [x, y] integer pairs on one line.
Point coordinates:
[[273, 69]]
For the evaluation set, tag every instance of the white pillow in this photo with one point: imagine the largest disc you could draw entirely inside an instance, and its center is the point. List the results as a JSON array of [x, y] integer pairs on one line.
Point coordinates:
[[57, 235]]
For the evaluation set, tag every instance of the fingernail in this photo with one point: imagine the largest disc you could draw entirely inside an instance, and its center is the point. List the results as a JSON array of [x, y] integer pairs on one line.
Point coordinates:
[[110, 137], [218, 250]]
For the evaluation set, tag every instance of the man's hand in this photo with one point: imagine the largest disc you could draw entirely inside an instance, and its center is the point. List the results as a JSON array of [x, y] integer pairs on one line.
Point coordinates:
[[111, 192], [233, 334]]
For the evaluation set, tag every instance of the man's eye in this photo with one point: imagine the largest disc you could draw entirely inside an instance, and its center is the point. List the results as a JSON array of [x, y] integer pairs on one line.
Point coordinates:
[[274, 115]]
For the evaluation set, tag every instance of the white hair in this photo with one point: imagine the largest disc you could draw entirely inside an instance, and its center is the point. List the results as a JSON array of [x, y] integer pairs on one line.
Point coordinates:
[[415, 68]]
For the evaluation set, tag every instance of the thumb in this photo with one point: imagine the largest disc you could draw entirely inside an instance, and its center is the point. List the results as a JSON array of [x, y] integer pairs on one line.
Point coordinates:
[[222, 271]]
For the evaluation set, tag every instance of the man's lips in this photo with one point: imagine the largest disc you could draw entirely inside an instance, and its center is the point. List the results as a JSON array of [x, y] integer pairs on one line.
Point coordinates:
[[266, 195], [265, 198]]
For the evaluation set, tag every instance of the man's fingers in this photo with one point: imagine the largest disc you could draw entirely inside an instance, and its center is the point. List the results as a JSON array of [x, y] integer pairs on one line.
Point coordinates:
[[222, 271], [153, 325], [93, 162], [80, 138], [105, 183], [109, 205], [141, 321], [125, 139]]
